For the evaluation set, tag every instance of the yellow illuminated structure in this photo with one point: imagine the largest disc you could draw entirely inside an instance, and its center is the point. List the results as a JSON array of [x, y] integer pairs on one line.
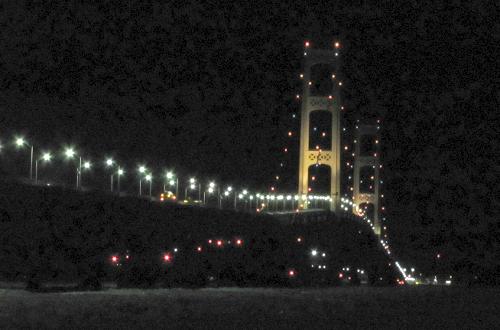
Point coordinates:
[[329, 103], [367, 160]]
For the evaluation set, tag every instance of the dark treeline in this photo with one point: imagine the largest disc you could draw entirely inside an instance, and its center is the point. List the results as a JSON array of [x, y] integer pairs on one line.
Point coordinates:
[[51, 234]]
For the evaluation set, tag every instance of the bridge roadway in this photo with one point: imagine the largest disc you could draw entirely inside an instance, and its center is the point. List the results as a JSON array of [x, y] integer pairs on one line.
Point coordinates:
[[302, 216]]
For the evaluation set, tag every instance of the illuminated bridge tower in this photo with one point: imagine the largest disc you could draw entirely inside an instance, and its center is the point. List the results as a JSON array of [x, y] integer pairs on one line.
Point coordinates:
[[320, 94], [367, 173]]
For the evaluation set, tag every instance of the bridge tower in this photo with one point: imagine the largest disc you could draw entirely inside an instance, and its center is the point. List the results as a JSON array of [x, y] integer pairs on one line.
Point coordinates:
[[367, 172], [329, 102]]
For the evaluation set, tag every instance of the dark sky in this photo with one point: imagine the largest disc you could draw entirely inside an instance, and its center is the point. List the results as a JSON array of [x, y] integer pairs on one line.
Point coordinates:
[[209, 89]]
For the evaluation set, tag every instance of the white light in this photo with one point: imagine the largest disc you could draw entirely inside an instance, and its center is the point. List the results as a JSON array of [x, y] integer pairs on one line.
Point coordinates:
[[314, 252], [86, 165], [226, 193], [211, 185], [69, 153], [120, 172], [192, 180], [149, 177], [171, 182], [192, 186], [47, 156], [170, 175], [210, 190], [245, 192], [20, 141], [142, 169], [229, 188], [109, 162]]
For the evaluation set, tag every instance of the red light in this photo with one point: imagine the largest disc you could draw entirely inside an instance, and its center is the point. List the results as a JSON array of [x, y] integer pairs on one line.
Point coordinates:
[[291, 273], [114, 258], [167, 257], [219, 243], [341, 275], [306, 44], [238, 242], [337, 44], [299, 239], [161, 199], [199, 249], [127, 256], [209, 241]]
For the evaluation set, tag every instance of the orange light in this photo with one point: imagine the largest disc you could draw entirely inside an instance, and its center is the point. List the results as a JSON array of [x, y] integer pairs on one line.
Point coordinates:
[[289, 133]]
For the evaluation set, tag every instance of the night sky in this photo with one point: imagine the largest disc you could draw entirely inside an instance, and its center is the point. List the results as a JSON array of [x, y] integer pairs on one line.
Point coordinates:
[[210, 90]]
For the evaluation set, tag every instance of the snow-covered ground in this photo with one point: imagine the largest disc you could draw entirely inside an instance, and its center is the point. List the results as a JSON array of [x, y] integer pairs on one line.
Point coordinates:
[[223, 308]]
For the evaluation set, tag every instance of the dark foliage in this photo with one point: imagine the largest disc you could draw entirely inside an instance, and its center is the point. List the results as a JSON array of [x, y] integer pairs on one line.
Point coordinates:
[[51, 234]]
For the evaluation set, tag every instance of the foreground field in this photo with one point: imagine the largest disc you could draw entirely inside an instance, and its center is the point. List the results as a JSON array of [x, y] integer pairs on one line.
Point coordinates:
[[347, 307]]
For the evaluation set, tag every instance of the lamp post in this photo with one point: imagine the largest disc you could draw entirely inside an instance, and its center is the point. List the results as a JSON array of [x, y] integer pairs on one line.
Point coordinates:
[[149, 178], [211, 189], [20, 142], [171, 182], [86, 166], [46, 157], [244, 193], [142, 170], [192, 186], [109, 163], [119, 173], [69, 153]]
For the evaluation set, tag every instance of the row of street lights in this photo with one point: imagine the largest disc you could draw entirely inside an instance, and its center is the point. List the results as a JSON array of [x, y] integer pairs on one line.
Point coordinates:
[[257, 201]]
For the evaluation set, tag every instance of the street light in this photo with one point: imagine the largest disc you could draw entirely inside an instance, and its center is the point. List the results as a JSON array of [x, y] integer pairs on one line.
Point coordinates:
[[20, 142], [192, 186], [211, 189], [142, 170], [109, 163], [149, 178], [70, 153], [171, 182], [46, 157], [119, 173], [86, 166]]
